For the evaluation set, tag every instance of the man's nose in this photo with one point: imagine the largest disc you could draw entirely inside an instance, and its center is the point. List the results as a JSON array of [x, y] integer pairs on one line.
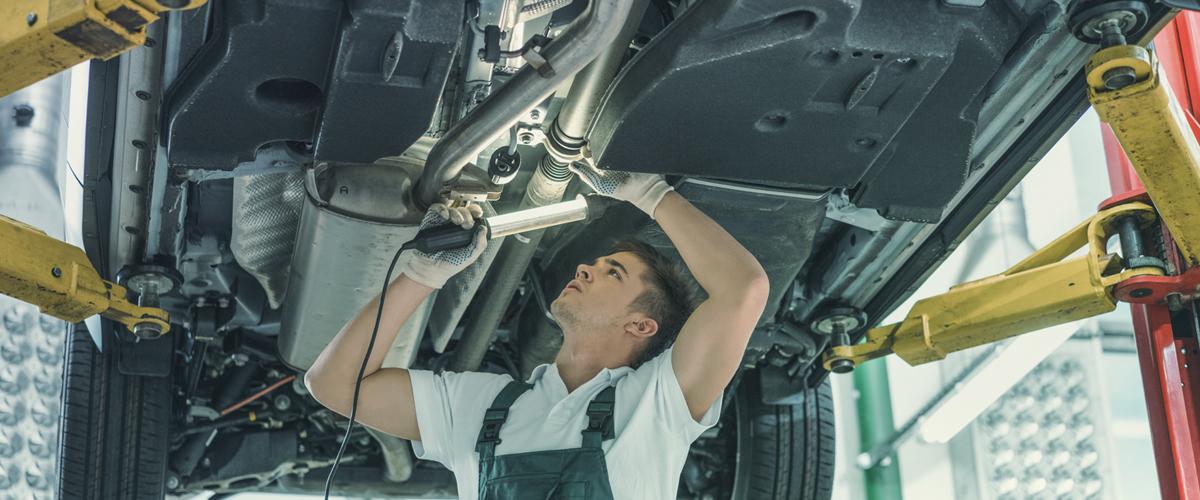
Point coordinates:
[[583, 272]]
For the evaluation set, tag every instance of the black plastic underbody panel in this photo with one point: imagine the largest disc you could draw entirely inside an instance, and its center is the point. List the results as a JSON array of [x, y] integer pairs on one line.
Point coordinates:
[[879, 96], [312, 71]]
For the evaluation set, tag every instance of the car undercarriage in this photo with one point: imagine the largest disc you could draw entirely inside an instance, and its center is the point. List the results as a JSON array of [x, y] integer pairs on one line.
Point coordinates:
[[254, 166]]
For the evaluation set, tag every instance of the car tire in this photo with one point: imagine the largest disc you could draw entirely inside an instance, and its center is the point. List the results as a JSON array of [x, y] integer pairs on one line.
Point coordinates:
[[783, 451], [114, 432]]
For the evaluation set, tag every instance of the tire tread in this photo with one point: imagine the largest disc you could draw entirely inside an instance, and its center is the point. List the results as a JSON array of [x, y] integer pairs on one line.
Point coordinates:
[[114, 433]]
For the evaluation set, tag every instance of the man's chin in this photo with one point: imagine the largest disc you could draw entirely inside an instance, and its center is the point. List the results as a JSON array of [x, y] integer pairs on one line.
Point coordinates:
[[559, 310]]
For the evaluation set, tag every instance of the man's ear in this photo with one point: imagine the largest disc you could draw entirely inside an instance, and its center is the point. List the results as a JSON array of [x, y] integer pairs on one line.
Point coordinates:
[[642, 327]]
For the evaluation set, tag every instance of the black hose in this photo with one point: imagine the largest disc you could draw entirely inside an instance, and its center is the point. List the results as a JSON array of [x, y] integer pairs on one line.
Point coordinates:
[[231, 389], [226, 422], [187, 457]]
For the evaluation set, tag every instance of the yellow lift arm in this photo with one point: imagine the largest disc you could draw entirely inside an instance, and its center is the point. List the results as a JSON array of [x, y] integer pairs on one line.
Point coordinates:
[[1125, 87], [59, 279], [39, 38]]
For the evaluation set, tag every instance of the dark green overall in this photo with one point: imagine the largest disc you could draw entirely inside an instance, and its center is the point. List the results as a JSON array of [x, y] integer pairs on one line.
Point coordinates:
[[575, 474]]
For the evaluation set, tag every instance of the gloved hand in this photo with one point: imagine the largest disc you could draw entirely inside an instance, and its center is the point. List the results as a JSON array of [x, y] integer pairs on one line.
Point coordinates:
[[434, 270], [643, 190]]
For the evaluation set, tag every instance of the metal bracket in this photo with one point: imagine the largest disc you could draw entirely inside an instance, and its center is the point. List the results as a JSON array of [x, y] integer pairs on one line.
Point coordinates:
[[473, 184]]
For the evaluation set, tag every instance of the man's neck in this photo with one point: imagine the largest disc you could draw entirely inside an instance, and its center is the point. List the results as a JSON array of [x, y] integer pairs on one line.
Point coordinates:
[[579, 362]]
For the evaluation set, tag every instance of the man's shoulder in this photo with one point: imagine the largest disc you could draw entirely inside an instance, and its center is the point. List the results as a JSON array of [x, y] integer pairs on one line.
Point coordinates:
[[663, 360], [649, 372]]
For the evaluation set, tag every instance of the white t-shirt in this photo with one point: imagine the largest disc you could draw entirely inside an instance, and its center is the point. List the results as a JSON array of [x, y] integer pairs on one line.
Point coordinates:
[[652, 424]]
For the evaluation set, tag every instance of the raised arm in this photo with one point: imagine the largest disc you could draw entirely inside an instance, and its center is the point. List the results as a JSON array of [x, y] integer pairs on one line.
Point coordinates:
[[385, 399], [711, 344]]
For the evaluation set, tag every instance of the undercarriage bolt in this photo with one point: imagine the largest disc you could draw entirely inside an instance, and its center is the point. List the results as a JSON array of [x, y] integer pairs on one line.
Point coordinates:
[[240, 359], [282, 402], [778, 358]]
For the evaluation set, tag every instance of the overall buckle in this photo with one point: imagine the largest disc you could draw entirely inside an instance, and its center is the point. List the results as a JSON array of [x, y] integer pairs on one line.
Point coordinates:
[[599, 415], [492, 421]]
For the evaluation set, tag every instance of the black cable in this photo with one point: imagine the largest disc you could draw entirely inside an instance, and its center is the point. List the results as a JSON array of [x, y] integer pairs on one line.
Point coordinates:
[[362, 370]]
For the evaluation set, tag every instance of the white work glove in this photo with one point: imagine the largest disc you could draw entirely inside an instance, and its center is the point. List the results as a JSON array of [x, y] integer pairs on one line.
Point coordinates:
[[643, 190], [434, 270]]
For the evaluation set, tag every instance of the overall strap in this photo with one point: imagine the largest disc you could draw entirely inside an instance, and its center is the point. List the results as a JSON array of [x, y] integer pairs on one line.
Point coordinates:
[[600, 418], [493, 419]]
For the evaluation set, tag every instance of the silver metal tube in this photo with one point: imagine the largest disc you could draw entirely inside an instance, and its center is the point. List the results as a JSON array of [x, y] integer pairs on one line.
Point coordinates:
[[537, 218], [592, 82], [588, 37]]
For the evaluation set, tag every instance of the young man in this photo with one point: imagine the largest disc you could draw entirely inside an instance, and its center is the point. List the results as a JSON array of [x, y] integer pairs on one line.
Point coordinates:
[[614, 416]]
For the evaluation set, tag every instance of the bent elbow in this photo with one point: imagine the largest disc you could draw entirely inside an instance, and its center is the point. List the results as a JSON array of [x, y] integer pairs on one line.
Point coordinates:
[[758, 288], [752, 294], [312, 382]]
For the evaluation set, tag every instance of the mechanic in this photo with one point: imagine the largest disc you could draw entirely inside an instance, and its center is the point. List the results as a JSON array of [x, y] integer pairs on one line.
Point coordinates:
[[615, 414]]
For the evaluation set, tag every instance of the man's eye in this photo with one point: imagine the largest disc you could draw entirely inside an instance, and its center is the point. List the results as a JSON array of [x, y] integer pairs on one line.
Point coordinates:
[[614, 273]]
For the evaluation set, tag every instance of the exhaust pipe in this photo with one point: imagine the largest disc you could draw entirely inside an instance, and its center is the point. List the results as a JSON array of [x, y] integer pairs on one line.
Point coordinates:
[[591, 34]]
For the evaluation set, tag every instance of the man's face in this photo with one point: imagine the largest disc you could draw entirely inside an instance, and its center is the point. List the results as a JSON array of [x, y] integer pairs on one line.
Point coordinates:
[[601, 293]]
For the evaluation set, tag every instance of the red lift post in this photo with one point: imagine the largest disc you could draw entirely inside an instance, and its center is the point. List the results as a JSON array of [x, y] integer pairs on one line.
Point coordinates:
[[1168, 354]]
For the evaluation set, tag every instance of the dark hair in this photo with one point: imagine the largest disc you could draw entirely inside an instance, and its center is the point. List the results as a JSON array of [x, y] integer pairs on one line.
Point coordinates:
[[669, 298]]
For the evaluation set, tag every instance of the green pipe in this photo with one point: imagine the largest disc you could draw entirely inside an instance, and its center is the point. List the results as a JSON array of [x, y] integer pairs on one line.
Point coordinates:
[[875, 426]]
